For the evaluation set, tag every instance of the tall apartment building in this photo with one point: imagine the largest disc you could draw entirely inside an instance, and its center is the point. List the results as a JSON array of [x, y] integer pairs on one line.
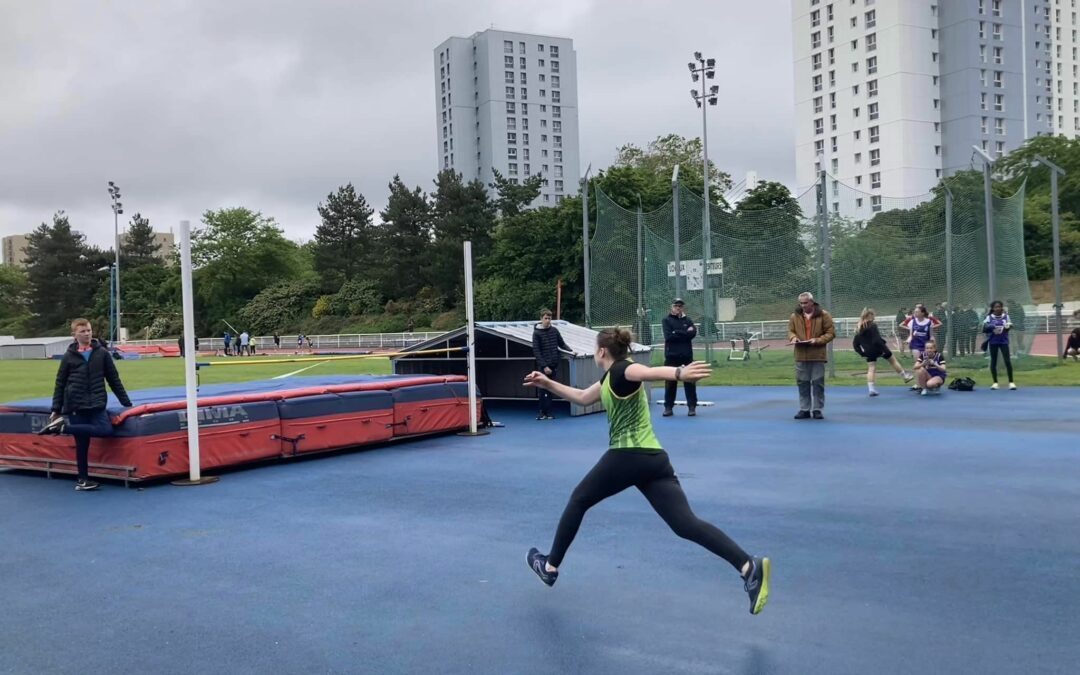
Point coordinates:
[[13, 250], [891, 95], [508, 102]]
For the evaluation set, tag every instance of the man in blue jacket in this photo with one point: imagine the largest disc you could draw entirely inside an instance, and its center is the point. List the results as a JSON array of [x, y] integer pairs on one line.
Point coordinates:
[[79, 398], [679, 332], [547, 340]]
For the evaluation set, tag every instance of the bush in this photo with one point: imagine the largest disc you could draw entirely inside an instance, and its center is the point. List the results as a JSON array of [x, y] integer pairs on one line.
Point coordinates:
[[1039, 267], [455, 318]]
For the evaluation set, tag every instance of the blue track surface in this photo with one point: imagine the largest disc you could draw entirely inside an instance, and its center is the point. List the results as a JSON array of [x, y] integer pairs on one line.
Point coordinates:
[[908, 535]]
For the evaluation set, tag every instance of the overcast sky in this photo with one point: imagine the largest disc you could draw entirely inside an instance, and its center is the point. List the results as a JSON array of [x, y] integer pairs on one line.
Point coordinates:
[[190, 104]]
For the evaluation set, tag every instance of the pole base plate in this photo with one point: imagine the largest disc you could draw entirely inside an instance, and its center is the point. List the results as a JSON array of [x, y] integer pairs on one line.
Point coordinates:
[[205, 480]]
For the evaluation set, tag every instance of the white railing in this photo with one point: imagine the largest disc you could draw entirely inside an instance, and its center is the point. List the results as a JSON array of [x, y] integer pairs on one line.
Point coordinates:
[[343, 341]]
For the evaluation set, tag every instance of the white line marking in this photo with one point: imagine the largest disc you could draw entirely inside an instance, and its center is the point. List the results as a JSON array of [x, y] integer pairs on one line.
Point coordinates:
[[297, 372]]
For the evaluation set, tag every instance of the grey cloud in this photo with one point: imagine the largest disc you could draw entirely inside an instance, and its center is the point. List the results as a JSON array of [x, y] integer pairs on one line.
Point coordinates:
[[192, 105]]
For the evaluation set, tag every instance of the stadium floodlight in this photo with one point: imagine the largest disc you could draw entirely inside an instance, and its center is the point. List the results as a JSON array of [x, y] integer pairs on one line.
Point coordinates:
[[117, 209], [697, 56], [690, 66], [710, 62], [715, 88], [694, 77], [693, 93], [710, 74], [707, 97], [712, 100]]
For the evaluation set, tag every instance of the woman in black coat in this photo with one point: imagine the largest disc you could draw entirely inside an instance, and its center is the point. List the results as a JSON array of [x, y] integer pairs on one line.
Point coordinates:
[[869, 344]]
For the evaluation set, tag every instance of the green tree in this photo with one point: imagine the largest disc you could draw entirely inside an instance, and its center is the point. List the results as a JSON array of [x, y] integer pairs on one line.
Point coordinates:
[[138, 247], [513, 197], [462, 212], [657, 160], [62, 273], [15, 308], [405, 238], [345, 239], [237, 254], [280, 306]]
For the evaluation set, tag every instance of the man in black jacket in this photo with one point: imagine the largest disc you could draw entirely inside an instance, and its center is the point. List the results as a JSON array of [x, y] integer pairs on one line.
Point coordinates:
[[679, 332], [79, 398], [547, 340]]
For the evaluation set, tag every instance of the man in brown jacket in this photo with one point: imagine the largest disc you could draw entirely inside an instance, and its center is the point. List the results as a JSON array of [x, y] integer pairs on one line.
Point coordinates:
[[810, 328]]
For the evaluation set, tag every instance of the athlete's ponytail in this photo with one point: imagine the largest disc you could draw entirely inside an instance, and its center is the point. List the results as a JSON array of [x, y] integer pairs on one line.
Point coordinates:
[[616, 341]]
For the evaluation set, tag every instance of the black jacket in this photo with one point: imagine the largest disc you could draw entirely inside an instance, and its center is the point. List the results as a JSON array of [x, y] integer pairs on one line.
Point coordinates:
[[868, 342], [679, 331], [80, 384], [546, 345]]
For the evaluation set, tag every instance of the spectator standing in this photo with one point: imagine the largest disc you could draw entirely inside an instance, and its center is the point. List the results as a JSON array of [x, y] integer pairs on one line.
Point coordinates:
[[679, 334], [810, 329], [546, 343]]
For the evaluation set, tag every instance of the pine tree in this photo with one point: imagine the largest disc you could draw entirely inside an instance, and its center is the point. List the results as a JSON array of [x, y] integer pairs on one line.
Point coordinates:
[[345, 240], [138, 247], [405, 240], [63, 274]]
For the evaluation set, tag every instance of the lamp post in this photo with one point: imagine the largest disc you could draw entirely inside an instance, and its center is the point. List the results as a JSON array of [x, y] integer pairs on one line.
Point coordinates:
[[704, 69], [110, 268], [117, 209], [1055, 171]]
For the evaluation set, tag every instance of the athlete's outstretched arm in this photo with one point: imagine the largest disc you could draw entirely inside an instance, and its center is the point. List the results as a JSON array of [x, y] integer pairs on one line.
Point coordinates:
[[572, 394], [698, 370]]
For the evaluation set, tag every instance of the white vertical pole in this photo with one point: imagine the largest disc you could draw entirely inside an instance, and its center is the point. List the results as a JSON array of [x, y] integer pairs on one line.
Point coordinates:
[[189, 352], [470, 330]]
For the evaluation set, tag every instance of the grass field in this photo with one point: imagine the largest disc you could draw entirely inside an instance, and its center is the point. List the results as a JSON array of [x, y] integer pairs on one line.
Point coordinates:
[[32, 379]]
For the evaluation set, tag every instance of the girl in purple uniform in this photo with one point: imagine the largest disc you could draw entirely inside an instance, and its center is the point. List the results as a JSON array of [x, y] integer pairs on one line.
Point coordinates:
[[996, 326], [930, 369]]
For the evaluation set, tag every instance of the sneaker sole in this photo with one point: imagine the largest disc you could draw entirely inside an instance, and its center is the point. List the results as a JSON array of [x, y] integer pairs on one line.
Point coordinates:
[[79, 488], [763, 596], [528, 561]]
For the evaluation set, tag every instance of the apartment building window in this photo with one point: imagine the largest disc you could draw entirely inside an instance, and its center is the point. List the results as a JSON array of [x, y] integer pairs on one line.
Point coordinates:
[[558, 172], [997, 31], [875, 157], [509, 108], [832, 78], [511, 123], [832, 144], [871, 65], [543, 93], [525, 123], [937, 103], [828, 12], [558, 155], [875, 180], [858, 158], [511, 139], [815, 18], [444, 117], [937, 127], [508, 76], [999, 149], [832, 100], [819, 126], [858, 200], [830, 34], [855, 67], [524, 108], [815, 40], [871, 42], [982, 6], [543, 124], [998, 54], [871, 89], [524, 93], [541, 77], [982, 100], [870, 19], [554, 81], [982, 77], [872, 111], [835, 165], [832, 57], [554, 66], [554, 52], [857, 134], [854, 90], [523, 79], [556, 96], [524, 139], [556, 111], [854, 22], [442, 57], [937, 173], [556, 126], [511, 153], [836, 192], [556, 141], [984, 126], [999, 79], [817, 83], [817, 104], [982, 53], [508, 46], [509, 92], [513, 168], [540, 62], [819, 146], [999, 102], [854, 45], [875, 203], [543, 137], [543, 108], [933, 56], [937, 150], [934, 80], [982, 30], [521, 48], [995, 7], [999, 126], [832, 122], [815, 62], [875, 135], [854, 112]]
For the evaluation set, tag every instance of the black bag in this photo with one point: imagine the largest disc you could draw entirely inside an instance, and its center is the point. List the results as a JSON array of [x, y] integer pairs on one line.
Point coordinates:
[[962, 384]]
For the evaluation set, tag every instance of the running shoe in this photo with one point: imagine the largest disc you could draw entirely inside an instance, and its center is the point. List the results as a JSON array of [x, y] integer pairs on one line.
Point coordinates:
[[925, 392], [802, 415], [54, 427], [908, 377], [668, 412], [994, 386], [693, 411], [817, 415], [538, 563], [756, 584], [82, 485], [1012, 386]]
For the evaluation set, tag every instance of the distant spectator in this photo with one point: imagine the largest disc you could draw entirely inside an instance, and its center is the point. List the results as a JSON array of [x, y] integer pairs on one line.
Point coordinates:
[[921, 327], [679, 334], [971, 323], [245, 341], [810, 329], [1072, 345], [410, 327], [181, 343], [546, 343], [277, 341], [300, 341]]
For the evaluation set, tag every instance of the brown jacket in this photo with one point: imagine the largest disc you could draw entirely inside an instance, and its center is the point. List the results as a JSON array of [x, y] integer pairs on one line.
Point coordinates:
[[821, 330]]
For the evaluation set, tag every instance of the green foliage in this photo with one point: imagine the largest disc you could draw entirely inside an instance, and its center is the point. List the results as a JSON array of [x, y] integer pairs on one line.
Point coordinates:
[[463, 212], [138, 247], [345, 239], [513, 197], [656, 161], [14, 289], [61, 270], [354, 298], [237, 254], [505, 299], [279, 306], [405, 242]]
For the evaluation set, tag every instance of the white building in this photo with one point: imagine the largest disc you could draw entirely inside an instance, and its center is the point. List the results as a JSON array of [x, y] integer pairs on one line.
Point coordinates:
[[508, 102], [891, 95]]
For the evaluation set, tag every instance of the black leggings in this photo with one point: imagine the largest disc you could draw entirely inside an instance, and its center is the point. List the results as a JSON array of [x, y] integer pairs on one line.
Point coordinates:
[[1004, 351], [653, 475]]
